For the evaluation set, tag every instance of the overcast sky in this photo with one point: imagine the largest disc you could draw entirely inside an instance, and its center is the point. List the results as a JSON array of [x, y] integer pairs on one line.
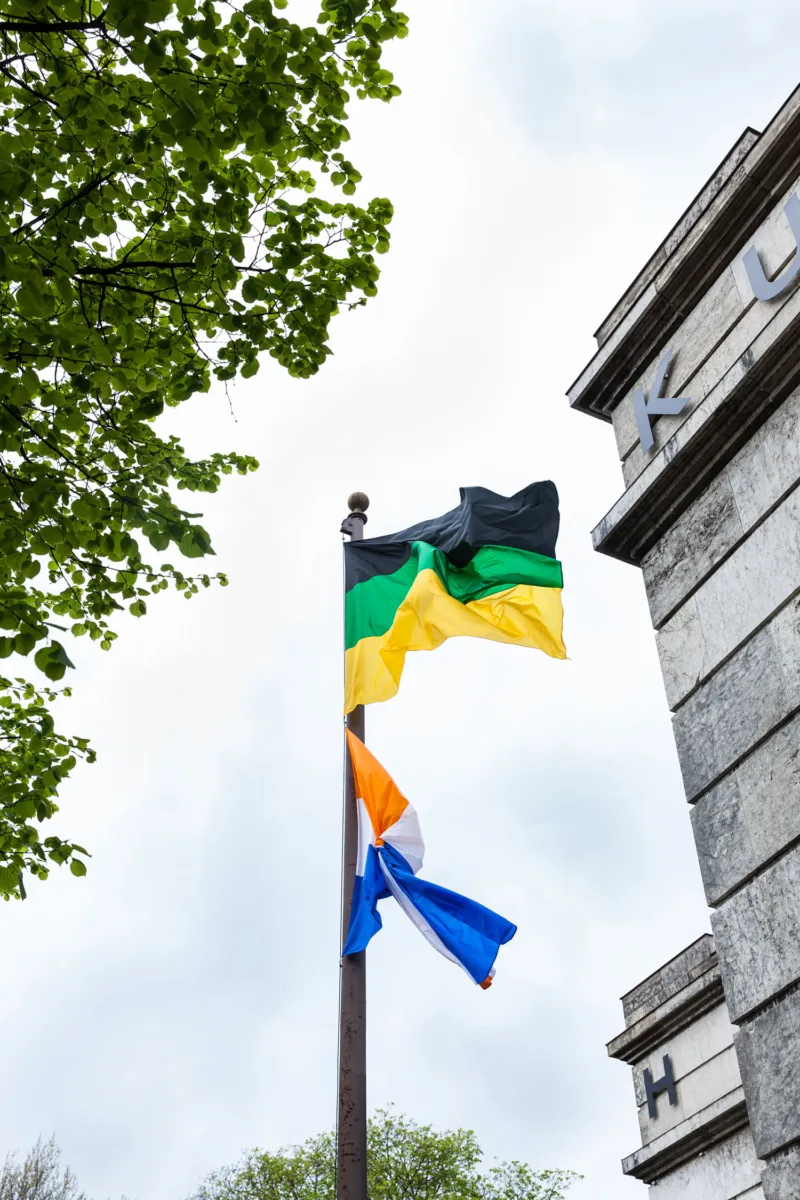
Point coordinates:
[[179, 1003]]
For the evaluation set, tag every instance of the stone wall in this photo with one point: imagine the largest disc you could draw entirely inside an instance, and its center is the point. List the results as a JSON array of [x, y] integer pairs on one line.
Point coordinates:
[[711, 514], [696, 1140]]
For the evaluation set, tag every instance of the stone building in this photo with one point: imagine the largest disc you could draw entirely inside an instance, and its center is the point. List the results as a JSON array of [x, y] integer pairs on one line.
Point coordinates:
[[678, 1039], [698, 371]]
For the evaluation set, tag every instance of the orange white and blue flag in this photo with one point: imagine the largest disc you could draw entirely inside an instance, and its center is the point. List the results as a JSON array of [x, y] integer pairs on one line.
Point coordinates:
[[390, 854]]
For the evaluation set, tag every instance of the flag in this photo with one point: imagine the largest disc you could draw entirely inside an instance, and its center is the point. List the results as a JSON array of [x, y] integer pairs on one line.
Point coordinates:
[[486, 569], [390, 853]]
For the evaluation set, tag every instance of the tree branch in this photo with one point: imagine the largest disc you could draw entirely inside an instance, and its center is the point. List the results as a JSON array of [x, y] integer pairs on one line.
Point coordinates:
[[130, 266], [51, 26]]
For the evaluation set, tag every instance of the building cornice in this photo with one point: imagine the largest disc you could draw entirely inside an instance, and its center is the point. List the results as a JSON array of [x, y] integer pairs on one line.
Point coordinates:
[[720, 220], [690, 1139], [678, 1013]]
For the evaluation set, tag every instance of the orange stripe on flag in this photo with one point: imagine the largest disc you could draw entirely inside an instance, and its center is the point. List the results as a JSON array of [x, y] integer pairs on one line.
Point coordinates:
[[382, 798]]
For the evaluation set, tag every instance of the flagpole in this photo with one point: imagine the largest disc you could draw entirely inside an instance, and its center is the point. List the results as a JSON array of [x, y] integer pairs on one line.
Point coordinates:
[[351, 1127]]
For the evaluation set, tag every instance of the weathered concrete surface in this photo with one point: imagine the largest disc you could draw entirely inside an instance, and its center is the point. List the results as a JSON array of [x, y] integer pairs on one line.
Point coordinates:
[[666, 983], [769, 465], [757, 933], [728, 1171], [738, 706], [775, 341], [713, 516], [723, 838], [755, 480], [674, 290], [649, 1163], [751, 815], [733, 347], [692, 548], [694, 341], [703, 1086], [740, 596], [720, 179], [711, 338], [769, 1051], [774, 242], [781, 1178], [698, 1044], [680, 1011]]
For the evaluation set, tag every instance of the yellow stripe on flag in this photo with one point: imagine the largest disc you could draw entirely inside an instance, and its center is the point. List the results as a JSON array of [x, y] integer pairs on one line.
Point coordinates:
[[524, 615]]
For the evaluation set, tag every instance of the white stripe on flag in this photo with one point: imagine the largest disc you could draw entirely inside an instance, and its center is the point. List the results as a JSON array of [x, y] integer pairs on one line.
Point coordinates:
[[416, 917], [406, 837], [366, 836]]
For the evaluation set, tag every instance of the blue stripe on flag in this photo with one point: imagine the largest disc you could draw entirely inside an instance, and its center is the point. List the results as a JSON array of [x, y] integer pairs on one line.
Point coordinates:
[[365, 919], [472, 933]]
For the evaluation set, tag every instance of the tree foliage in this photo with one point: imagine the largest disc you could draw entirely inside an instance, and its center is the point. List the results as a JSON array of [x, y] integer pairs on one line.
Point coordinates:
[[40, 1176], [405, 1161], [174, 202]]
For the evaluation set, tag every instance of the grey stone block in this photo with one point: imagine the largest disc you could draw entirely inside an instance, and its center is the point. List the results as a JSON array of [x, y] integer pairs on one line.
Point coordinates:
[[769, 465], [763, 471], [731, 712], [769, 784], [780, 1177], [690, 550], [757, 935], [666, 983], [786, 635], [741, 335], [760, 576], [683, 652], [659, 478], [751, 815], [707, 325], [768, 1049], [722, 837]]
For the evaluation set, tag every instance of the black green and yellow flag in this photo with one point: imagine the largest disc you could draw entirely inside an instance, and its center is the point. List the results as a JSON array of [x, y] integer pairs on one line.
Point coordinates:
[[486, 569]]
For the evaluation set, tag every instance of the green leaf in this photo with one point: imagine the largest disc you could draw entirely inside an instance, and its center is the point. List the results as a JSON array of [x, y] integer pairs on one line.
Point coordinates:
[[53, 661], [165, 232], [77, 867]]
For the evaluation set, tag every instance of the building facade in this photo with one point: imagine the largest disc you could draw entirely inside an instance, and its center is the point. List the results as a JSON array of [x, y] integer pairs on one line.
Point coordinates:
[[698, 371], [678, 1039]]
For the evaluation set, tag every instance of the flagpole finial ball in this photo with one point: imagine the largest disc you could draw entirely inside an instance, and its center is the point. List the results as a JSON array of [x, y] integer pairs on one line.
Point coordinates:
[[358, 502]]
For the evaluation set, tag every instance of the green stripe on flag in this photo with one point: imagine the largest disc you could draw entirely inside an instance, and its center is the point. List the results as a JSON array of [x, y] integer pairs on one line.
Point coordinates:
[[370, 606]]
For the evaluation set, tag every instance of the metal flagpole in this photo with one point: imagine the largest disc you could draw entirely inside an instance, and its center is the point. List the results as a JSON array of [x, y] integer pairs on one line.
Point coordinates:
[[351, 1128]]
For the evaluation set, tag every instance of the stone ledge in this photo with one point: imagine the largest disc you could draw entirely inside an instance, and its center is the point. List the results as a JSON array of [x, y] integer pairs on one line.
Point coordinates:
[[744, 495], [781, 1174], [682, 227], [769, 166], [678, 1013], [768, 1050], [669, 980], [730, 415], [666, 302], [692, 1137], [748, 820]]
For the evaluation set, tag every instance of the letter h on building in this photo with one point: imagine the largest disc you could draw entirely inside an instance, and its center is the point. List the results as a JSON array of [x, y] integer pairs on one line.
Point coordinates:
[[654, 1089]]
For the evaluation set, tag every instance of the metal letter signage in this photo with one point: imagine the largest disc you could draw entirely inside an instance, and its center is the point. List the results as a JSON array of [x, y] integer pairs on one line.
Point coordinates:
[[653, 1090], [656, 405], [763, 288]]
